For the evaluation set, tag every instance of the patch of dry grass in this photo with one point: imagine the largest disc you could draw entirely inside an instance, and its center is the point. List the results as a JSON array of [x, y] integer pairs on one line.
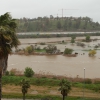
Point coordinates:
[[47, 90]]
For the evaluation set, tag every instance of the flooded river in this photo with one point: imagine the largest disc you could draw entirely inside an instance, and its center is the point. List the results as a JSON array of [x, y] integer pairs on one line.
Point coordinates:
[[59, 64]]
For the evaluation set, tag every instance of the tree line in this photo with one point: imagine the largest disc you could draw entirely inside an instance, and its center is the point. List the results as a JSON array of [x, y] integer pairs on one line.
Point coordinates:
[[57, 24]]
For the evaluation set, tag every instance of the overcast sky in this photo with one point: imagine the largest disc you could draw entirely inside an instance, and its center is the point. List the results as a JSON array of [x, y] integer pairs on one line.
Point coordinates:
[[40, 8]]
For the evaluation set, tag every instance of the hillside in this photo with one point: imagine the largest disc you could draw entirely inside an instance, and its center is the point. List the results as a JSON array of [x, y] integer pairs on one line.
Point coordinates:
[[53, 24]]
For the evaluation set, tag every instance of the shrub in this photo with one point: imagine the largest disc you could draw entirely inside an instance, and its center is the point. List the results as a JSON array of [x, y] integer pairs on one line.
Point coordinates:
[[28, 72], [51, 49], [29, 49], [88, 81], [7, 73], [63, 41], [68, 51], [42, 43], [12, 72], [87, 38], [92, 53]]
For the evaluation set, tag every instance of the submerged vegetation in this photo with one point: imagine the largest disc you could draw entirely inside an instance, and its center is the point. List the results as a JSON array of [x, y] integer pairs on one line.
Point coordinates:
[[44, 24]]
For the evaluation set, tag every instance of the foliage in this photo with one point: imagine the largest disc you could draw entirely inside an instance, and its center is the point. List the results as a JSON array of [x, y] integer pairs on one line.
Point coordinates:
[[42, 43], [51, 49], [28, 72], [92, 53], [33, 81], [96, 46], [65, 87], [68, 51], [7, 73], [38, 48], [8, 38], [50, 82], [72, 40], [73, 37], [56, 24], [29, 49], [59, 25], [80, 44], [41, 50], [87, 38], [25, 85]]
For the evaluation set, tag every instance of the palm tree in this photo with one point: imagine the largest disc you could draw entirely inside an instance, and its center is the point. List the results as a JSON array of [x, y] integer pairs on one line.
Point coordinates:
[[65, 88], [8, 40], [25, 85]]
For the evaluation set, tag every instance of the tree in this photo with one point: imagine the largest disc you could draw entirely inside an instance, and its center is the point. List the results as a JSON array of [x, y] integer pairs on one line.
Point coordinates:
[[25, 85], [29, 49], [59, 25], [77, 24], [92, 53], [80, 44], [72, 39], [51, 49], [87, 38], [28, 72], [65, 25], [8, 40], [65, 87], [69, 24], [68, 51]]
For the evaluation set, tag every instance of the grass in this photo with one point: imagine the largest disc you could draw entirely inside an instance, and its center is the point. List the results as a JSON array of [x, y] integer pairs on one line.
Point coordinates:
[[43, 81], [47, 88], [34, 81], [94, 87], [40, 50], [87, 50], [44, 97]]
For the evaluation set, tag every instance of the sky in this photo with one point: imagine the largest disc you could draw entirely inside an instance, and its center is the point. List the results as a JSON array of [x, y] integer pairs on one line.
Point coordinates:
[[41, 8]]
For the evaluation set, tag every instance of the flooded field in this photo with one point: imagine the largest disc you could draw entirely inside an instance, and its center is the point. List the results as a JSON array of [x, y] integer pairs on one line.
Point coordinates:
[[59, 64]]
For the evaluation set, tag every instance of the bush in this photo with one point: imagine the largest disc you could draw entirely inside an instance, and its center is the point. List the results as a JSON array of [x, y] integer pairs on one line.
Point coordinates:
[[42, 43], [88, 81], [51, 49], [12, 72], [7, 73], [68, 51], [92, 53], [29, 49], [28, 72]]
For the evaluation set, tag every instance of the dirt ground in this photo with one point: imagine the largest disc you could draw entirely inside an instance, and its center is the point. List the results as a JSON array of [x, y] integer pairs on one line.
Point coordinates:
[[48, 90]]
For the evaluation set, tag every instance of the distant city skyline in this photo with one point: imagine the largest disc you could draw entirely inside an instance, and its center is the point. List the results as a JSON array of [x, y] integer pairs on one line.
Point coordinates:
[[41, 8]]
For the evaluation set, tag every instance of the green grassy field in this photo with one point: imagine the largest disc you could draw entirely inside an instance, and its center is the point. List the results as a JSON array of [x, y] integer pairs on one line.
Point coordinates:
[[12, 89]]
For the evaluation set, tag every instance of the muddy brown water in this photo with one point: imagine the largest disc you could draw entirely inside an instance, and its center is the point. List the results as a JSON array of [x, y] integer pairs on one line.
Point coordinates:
[[59, 64]]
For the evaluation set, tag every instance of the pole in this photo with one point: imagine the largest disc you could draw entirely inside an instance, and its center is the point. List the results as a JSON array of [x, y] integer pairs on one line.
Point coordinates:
[[84, 84]]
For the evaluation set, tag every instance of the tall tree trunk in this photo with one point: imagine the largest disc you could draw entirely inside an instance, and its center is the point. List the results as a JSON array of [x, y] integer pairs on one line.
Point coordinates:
[[23, 96], [5, 64], [0, 86], [63, 97], [1, 66]]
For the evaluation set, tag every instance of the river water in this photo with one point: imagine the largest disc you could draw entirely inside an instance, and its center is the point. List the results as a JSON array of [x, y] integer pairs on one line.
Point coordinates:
[[59, 64]]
